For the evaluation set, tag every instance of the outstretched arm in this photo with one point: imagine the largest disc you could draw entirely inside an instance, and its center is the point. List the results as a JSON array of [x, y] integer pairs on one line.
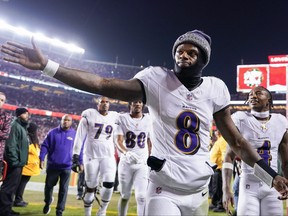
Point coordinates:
[[243, 149], [32, 58]]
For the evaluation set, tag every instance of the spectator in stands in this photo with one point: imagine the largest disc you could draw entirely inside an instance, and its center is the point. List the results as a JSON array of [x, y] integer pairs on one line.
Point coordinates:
[[33, 165], [182, 103], [16, 156], [58, 147], [5, 126]]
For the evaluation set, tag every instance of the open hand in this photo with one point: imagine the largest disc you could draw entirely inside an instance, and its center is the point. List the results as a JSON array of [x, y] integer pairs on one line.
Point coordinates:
[[31, 58]]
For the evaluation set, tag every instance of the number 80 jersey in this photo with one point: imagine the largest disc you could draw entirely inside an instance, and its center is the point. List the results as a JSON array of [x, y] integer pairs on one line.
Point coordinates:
[[136, 132]]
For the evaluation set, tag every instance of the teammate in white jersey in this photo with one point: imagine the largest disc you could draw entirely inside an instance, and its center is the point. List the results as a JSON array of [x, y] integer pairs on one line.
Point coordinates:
[[95, 131], [182, 105], [133, 139], [267, 133]]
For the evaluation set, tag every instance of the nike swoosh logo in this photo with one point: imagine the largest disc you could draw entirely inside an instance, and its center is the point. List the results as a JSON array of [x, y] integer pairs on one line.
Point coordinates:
[[204, 193]]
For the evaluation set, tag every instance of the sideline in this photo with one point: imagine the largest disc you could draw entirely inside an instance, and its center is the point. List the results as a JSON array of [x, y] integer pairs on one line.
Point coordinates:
[[38, 186]]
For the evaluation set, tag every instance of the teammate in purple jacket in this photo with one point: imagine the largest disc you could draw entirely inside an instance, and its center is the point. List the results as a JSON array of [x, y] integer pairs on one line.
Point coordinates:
[[58, 146]]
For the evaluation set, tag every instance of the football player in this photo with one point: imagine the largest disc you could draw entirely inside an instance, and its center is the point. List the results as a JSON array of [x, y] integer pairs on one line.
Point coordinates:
[[267, 134], [182, 104], [133, 139], [96, 128]]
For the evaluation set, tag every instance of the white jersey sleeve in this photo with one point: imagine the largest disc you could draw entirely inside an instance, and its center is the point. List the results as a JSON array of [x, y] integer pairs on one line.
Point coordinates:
[[181, 125], [119, 128], [81, 134]]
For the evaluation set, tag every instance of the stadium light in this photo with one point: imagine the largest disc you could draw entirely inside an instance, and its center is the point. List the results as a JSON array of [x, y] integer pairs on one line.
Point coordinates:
[[41, 37]]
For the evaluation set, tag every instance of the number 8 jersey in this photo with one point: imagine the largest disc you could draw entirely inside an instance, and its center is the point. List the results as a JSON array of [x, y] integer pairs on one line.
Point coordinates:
[[181, 125]]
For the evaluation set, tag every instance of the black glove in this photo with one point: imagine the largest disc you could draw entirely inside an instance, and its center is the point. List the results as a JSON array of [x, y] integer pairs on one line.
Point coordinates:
[[75, 163], [155, 163]]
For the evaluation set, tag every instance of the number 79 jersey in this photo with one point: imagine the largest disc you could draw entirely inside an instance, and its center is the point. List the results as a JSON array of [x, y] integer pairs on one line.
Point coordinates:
[[96, 131]]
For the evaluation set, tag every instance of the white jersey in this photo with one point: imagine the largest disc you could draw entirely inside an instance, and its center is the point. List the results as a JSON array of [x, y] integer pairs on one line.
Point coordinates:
[[181, 125], [97, 132], [264, 139], [136, 133], [255, 197]]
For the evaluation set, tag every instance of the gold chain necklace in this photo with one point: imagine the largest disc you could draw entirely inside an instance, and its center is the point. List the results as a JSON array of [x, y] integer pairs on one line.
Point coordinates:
[[263, 123]]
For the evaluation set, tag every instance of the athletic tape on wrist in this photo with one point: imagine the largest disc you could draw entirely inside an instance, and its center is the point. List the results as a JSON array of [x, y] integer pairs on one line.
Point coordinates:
[[264, 172], [227, 165], [51, 68]]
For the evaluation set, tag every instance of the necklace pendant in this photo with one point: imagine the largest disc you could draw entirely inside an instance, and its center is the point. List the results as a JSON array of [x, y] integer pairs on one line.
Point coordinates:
[[263, 126]]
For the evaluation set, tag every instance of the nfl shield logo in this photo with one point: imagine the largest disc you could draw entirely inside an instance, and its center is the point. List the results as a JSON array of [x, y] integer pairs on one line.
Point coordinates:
[[189, 96], [158, 190]]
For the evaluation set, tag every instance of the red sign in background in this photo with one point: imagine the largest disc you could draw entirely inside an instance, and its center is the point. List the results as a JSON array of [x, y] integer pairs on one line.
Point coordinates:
[[272, 77]]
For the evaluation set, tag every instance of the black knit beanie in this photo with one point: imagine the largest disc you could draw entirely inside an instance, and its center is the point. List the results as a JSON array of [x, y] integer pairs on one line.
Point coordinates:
[[19, 111], [199, 39]]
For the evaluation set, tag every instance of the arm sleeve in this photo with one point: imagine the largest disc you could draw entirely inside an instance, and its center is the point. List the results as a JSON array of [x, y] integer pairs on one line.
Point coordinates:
[[223, 96], [11, 147], [119, 124], [45, 147], [6, 127], [81, 135]]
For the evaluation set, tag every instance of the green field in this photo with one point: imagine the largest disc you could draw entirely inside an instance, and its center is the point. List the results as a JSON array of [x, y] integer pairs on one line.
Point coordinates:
[[73, 207]]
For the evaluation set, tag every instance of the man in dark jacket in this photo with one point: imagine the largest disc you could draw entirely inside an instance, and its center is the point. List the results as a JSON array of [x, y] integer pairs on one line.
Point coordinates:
[[16, 155], [58, 145]]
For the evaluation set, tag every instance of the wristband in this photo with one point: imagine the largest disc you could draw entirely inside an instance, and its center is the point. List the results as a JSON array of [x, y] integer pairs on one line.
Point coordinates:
[[264, 172], [51, 68], [227, 165]]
